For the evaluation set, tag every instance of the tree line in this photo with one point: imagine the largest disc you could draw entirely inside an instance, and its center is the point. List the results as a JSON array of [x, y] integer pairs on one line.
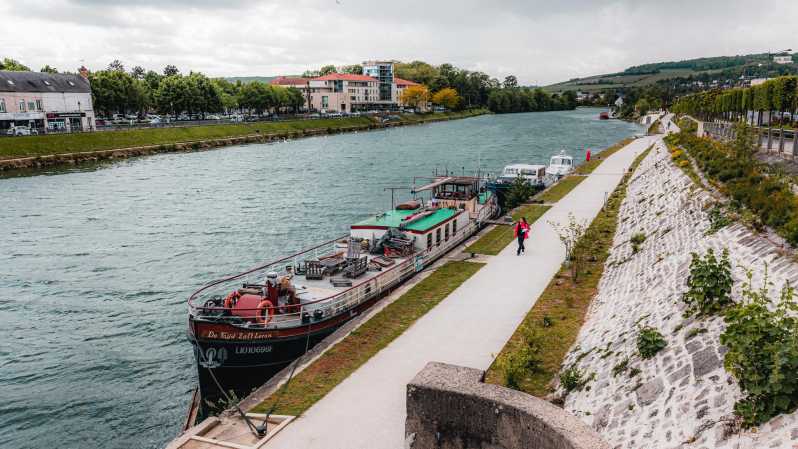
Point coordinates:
[[776, 95], [116, 90]]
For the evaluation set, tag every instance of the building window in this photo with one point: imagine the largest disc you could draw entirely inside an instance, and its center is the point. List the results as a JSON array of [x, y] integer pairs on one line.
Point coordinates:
[[21, 105], [429, 241], [31, 106], [438, 237], [2, 105], [39, 105], [325, 101]]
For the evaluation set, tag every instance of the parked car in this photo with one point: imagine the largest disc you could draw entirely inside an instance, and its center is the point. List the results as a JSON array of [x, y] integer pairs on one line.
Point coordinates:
[[212, 117], [156, 121], [335, 115], [236, 118], [21, 131]]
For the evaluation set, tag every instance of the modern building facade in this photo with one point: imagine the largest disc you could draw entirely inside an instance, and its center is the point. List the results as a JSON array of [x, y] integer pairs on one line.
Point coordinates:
[[343, 92], [383, 72], [376, 89], [47, 102]]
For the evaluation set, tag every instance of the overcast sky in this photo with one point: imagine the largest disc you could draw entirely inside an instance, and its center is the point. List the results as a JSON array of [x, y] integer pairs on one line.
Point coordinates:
[[541, 42]]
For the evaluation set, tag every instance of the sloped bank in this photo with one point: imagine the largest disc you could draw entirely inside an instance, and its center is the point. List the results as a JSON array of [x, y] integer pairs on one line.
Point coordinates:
[[681, 397], [36, 160]]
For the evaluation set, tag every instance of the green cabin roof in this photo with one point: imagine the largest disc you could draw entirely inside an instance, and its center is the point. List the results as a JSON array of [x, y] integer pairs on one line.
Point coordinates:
[[393, 219]]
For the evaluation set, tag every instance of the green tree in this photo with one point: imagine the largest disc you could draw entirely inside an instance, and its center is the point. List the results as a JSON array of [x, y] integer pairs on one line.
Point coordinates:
[[354, 69], [48, 69], [116, 66], [446, 97], [13, 65], [418, 71], [137, 72], [327, 69], [170, 70], [510, 82]]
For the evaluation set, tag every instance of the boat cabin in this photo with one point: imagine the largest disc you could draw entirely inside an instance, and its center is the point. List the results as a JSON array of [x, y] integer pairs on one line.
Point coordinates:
[[428, 227], [533, 174], [560, 165]]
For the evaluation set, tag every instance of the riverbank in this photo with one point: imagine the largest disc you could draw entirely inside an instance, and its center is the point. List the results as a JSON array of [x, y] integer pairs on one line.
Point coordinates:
[[69, 149]]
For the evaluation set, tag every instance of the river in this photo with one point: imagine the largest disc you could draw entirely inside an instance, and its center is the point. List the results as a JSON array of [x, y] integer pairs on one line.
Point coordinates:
[[96, 262]]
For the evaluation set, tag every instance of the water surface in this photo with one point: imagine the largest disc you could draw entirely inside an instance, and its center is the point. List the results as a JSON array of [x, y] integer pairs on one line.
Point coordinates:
[[96, 262]]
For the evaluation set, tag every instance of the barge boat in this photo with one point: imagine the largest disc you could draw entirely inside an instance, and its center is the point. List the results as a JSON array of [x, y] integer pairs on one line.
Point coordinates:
[[247, 327]]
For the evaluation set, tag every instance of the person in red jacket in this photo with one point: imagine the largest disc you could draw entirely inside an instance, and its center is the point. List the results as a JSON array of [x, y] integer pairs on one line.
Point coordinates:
[[521, 233]]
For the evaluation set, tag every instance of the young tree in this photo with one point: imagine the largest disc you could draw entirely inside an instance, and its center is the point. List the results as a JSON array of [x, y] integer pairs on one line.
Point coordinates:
[[416, 96], [447, 98]]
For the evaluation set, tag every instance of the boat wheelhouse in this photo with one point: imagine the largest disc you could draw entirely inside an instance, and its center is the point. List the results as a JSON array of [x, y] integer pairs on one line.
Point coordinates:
[[560, 165], [247, 327]]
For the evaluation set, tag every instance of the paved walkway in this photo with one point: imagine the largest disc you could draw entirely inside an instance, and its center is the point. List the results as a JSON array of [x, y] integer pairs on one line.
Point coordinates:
[[367, 410]]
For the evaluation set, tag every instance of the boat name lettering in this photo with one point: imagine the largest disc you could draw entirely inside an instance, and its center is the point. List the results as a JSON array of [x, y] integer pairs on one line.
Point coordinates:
[[238, 335], [253, 349]]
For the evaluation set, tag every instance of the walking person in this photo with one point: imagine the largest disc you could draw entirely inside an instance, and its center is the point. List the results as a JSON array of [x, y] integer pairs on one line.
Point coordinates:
[[521, 233]]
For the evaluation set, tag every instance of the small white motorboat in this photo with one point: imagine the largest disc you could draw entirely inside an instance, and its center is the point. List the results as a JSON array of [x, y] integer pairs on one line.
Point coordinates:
[[560, 165]]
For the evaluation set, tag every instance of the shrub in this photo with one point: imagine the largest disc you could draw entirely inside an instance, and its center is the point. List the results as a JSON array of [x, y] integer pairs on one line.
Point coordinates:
[[717, 219], [636, 241], [620, 367], [650, 342], [763, 352], [519, 193], [709, 284], [520, 364], [572, 379]]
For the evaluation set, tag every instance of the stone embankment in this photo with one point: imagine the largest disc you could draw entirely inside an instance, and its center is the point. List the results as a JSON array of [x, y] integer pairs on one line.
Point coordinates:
[[683, 397], [65, 159]]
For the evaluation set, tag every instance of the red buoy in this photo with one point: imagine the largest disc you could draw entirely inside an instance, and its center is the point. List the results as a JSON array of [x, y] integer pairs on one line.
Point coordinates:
[[587, 156]]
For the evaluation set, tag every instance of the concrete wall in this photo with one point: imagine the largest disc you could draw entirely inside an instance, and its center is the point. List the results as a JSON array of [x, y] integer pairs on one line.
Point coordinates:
[[449, 407]]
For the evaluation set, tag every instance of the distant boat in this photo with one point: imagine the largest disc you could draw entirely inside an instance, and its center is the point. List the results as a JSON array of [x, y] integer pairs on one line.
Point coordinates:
[[604, 115], [560, 165]]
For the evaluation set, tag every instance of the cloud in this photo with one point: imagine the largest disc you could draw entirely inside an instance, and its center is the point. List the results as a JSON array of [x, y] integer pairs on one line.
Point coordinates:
[[539, 41]]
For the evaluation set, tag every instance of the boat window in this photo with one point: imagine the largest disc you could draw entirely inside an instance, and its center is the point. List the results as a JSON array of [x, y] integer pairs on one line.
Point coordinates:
[[446, 233], [567, 162], [429, 241], [454, 227], [555, 161], [438, 237]]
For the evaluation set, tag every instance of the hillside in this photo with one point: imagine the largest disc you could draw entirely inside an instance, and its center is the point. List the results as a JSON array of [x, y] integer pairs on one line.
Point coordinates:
[[706, 69], [249, 79]]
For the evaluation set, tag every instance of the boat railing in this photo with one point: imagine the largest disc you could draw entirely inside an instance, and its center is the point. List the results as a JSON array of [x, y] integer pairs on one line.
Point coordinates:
[[292, 316]]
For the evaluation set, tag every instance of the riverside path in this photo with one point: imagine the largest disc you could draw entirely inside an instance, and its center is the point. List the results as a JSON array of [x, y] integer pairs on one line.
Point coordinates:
[[468, 328]]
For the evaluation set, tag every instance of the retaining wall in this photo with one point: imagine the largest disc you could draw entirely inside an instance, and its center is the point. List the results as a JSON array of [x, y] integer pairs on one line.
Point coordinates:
[[449, 407]]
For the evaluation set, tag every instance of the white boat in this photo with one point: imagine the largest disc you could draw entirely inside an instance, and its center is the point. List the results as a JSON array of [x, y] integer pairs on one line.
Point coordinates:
[[560, 165], [534, 175]]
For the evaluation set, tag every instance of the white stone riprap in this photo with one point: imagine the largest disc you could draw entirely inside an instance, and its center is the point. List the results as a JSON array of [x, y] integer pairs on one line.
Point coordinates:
[[682, 397]]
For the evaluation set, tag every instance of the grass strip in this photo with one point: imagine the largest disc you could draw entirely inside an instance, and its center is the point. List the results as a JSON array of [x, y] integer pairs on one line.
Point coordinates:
[[588, 167], [493, 241], [342, 359], [535, 352], [560, 189], [52, 144]]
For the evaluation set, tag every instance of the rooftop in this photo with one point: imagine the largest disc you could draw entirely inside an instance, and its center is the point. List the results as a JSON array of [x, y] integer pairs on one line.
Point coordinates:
[[42, 82], [401, 82], [394, 218]]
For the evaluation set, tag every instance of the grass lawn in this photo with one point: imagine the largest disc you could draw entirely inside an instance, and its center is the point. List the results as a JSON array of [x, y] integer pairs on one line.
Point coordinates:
[[315, 381], [500, 236], [109, 140], [589, 166], [15, 147], [534, 354], [559, 190]]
